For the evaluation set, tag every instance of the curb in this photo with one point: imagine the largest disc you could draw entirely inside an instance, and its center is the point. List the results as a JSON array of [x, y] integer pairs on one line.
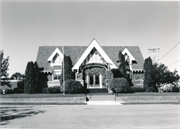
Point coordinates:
[[103, 103], [41, 103]]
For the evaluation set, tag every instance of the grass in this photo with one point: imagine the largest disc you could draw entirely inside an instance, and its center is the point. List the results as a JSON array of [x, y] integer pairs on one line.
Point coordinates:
[[150, 94], [82, 95], [40, 95]]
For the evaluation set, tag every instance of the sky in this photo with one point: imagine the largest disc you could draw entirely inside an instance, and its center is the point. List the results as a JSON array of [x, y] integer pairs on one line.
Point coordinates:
[[26, 25]]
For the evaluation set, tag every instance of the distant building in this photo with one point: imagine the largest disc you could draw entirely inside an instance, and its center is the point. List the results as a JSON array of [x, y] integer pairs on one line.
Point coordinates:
[[50, 59]]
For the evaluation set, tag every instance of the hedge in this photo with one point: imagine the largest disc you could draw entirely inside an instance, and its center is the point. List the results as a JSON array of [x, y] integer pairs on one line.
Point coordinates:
[[119, 85], [52, 90], [137, 89], [73, 86]]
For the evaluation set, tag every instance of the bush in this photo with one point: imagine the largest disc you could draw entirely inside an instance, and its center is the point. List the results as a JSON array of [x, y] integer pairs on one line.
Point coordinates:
[[120, 85], [1, 91], [137, 89], [9, 91], [108, 81], [20, 86], [51, 90], [73, 86], [45, 90], [175, 89], [170, 88]]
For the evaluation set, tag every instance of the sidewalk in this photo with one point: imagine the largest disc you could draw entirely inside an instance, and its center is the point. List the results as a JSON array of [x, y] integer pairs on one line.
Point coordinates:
[[93, 99]]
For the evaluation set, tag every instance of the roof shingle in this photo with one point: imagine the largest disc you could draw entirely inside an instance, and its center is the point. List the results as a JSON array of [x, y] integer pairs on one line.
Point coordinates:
[[75, 53]]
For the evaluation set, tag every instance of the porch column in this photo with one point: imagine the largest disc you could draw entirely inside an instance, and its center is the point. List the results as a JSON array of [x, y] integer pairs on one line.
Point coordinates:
[[87, 80], [94, 79], [75, 75], [100, 80]]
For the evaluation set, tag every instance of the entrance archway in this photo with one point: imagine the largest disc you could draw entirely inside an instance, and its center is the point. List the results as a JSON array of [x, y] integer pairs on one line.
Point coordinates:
[[93, 75]]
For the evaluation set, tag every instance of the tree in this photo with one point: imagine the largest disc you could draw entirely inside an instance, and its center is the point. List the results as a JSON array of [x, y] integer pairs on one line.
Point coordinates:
[[30, 81], [148, 75], [4, 68], [38, 86], [122, 64], [161, 75], [17, 76], [66, 69]]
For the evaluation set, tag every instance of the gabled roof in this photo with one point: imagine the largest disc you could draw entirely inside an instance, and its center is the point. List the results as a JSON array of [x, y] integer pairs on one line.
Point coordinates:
[[130, 55], [57, 51], [92, 45], [75, 53]]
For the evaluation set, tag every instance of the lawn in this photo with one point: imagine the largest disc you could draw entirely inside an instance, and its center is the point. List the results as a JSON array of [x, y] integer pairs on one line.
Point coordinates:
[[40, 95], [150, 94], [82, 95]]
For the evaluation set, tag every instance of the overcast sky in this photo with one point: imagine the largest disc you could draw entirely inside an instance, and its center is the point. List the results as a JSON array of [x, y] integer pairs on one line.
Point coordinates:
[[27, 25]]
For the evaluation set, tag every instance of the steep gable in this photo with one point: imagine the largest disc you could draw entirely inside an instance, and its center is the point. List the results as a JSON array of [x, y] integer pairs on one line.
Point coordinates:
[[75, 53], [93, 45]]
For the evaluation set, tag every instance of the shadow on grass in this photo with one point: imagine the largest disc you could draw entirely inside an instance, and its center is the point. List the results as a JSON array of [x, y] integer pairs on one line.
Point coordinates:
[[11, 113]]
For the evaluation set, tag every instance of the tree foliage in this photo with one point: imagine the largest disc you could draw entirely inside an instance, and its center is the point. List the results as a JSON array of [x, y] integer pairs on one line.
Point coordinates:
[[4, 68], [31, 81], [148, 74], [122, 64], [17, 76], [67, 72], [156, 75], [161, 75]]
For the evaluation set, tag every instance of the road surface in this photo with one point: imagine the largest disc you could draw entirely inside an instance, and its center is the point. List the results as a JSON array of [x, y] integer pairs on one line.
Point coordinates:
[[155, 116]]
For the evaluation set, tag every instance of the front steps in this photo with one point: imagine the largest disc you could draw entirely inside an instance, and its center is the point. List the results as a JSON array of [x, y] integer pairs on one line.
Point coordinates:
[[100, 97], [97, 90]]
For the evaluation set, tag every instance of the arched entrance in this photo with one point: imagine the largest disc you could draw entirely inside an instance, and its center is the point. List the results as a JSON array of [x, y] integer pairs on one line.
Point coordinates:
[[93, 75]]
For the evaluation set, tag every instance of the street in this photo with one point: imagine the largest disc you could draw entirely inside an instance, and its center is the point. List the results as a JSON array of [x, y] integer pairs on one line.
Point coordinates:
[[145, 116]]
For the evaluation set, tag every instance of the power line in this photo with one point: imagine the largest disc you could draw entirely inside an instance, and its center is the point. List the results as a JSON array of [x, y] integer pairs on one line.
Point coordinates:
[[169, 51], [169, 34], [174, 62], [167, 28]]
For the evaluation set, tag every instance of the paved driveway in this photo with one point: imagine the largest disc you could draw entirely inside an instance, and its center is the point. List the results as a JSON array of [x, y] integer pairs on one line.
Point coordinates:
[[157, 116]]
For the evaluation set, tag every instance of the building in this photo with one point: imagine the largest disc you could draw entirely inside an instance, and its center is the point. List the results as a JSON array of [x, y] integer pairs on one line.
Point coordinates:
[[89, 62]]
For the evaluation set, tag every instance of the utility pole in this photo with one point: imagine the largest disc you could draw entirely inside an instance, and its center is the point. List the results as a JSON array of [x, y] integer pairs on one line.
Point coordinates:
[[154, 54], [63, 72], [179, 59]]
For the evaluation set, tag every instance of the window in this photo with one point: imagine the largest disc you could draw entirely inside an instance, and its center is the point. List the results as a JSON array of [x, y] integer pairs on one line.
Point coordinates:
[[56, 75], [91, 79], [97, 79]]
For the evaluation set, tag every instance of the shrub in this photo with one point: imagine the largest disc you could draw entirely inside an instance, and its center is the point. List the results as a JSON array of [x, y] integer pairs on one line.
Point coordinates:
[[175, 89], [9, 91], [170, 88], [1, 91], [119, 85], [20, 87], [73, 86], [137, 89], [108, 81], [108, 77], [45, 90], [51, 90]]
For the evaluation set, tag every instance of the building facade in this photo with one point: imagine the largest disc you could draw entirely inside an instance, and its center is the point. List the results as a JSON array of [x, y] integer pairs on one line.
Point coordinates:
[[89, 62]]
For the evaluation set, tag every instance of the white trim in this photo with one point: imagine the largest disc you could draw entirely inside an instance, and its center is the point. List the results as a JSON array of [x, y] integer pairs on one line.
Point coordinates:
[[88, 50], [129, 54], [130, 57], [53, 74], [54, 53]]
